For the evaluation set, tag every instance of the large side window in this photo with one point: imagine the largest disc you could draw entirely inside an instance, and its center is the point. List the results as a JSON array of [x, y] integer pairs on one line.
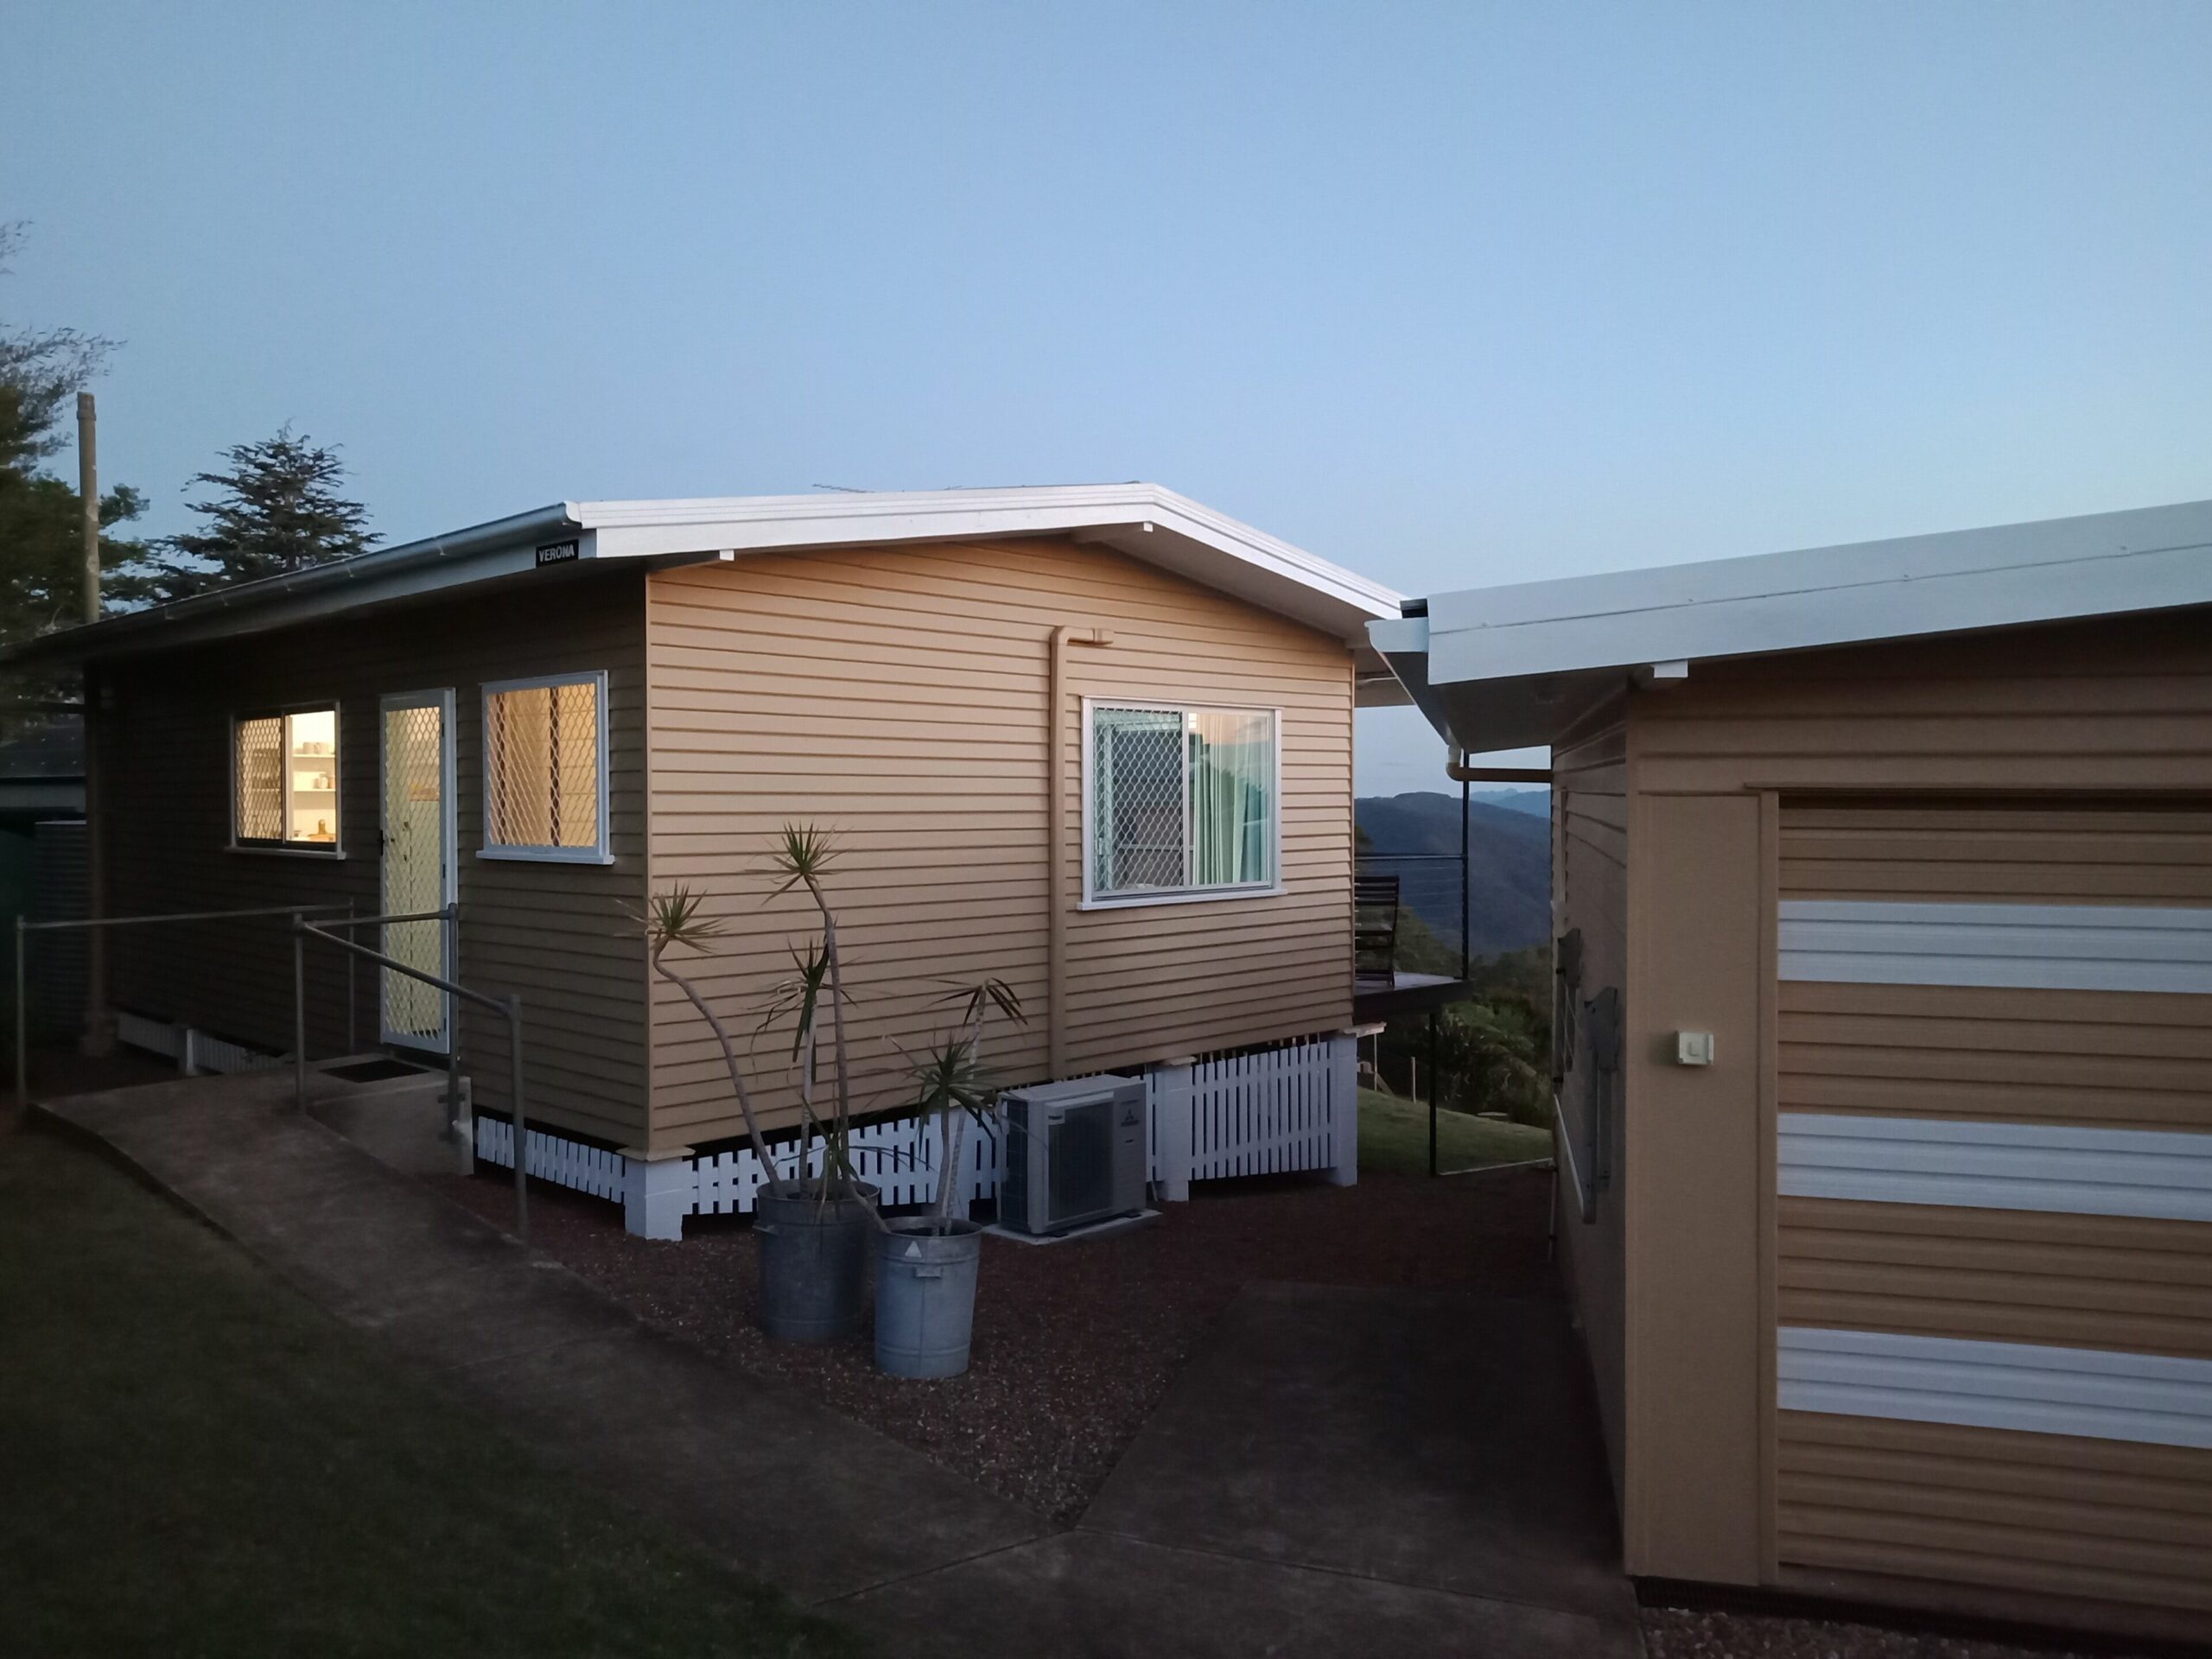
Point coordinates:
[[284, 780], [545, 768], [1180, 803]]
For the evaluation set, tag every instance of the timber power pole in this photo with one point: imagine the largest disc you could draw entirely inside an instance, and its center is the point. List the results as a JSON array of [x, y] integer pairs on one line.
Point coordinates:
[[99, 1022], [88, 492]]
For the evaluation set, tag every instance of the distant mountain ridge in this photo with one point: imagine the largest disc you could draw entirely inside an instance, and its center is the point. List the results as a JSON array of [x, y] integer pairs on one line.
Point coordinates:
[[1537, 802], [1508, 863]]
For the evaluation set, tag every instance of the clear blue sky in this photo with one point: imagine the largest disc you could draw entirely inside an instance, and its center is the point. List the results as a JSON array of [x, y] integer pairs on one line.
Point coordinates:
[[1452, 294]]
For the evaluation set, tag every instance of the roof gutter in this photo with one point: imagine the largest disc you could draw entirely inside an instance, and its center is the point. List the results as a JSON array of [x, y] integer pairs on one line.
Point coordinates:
[[129, 629]]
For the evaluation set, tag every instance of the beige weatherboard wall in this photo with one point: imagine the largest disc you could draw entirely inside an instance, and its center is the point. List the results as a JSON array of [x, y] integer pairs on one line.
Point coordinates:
[[901, 699], [1907, 1295], [910, 672]]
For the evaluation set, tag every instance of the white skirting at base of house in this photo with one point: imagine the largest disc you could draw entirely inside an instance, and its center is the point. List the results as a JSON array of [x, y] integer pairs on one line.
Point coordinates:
[[194, 1052], [1275, 1110]]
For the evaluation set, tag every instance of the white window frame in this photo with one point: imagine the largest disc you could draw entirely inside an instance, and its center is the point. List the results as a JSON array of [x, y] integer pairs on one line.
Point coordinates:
[[1271, 888], [286, 848], [597, 853]]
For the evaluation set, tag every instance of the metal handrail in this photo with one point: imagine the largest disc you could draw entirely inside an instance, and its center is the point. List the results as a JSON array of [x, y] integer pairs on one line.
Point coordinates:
[[450, 915], [509, 1007], [25, 926]]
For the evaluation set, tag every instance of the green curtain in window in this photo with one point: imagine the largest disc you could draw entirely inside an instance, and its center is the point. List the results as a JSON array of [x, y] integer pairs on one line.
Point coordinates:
[[1232, 789]]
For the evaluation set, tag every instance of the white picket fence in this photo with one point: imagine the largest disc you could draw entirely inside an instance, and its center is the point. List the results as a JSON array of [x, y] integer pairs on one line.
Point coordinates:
[[194, 1052], [554, 1158], [1292, 1107], [900, 1155], [1265, 1114]]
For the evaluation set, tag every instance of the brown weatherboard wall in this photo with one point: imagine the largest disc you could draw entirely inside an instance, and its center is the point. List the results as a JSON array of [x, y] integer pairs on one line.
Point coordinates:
[[555, 933], [1589, 896], [897, 696], [2048, 1528], [2111, 719]]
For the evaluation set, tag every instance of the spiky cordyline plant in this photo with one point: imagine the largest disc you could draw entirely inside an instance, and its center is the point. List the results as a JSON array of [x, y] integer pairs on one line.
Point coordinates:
[[803, 855], [801, 995], [678, 919], [954, 1082]]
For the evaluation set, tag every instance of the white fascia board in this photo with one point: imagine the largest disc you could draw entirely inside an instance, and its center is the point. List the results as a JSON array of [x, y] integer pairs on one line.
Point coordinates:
[[2151, 558], [1182, 534], [1144, 520]]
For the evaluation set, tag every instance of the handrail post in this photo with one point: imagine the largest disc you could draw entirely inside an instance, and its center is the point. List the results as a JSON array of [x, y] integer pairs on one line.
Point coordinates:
[[300, 1010], [353, 988], [22, 1025], [449, 934], [522, 1124]]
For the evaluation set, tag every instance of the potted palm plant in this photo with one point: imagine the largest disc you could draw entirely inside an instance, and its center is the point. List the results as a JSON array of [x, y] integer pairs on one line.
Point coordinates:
[[814, 1232], [926, 1265], [813, 1225]]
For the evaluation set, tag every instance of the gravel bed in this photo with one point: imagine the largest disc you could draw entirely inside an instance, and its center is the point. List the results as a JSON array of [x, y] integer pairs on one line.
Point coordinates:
[[1678, 1633], [1075, 1344]]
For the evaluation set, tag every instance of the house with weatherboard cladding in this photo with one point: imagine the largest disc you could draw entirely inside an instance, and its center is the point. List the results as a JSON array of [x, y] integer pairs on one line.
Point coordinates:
[[1095, 741], [1882, 880]]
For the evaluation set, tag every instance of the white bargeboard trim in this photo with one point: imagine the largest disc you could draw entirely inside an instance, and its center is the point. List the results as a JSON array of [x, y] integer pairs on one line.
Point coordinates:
[[2163, 948], [2053, 1167], [2153, 1399], [1145, 521]]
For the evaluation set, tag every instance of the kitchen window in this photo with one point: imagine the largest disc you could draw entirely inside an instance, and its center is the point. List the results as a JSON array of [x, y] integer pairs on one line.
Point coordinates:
[[285, 777]]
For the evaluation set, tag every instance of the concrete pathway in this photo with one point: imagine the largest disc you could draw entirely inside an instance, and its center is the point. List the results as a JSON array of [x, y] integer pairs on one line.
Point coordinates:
[[777, 1485], [1341, 1472]]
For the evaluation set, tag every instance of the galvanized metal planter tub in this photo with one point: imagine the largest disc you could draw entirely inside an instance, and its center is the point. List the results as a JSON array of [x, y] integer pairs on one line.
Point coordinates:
[[814, 1263], [925, 1296]]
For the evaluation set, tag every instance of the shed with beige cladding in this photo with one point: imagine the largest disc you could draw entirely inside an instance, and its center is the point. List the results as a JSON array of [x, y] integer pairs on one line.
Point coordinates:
[[1906, 1296]]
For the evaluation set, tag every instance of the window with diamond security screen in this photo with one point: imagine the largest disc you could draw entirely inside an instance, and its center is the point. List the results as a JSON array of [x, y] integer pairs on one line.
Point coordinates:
[[284, 768], [543, 784], [1181, 801]]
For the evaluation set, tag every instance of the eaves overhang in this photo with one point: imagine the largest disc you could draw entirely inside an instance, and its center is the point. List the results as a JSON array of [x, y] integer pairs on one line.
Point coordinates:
[[1146, 521], [1519, 665]]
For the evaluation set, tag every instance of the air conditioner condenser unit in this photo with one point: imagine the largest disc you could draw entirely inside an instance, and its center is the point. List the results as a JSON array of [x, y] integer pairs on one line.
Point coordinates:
[[1076, 1152]]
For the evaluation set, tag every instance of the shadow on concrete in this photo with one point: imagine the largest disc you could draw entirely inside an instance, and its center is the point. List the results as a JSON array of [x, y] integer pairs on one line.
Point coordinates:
[[1342, 1471]]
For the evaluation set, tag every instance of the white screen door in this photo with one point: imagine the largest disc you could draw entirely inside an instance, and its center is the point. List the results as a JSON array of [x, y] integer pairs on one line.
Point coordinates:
[[418, 864]]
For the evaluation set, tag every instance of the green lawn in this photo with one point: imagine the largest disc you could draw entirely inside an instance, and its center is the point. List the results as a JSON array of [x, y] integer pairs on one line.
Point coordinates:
[[195, 1461], [1394, 1138]]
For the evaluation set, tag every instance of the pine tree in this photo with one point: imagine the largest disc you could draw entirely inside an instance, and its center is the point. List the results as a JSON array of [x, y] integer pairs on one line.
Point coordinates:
[[280, 509], [42, 546]]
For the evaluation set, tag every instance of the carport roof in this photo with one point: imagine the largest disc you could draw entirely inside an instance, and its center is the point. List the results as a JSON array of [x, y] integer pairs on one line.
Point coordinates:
[[1514, 666]]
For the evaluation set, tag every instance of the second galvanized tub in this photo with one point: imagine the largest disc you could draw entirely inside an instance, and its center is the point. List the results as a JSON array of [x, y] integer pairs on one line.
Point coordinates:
[[814, 1263], [925, 1297]]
